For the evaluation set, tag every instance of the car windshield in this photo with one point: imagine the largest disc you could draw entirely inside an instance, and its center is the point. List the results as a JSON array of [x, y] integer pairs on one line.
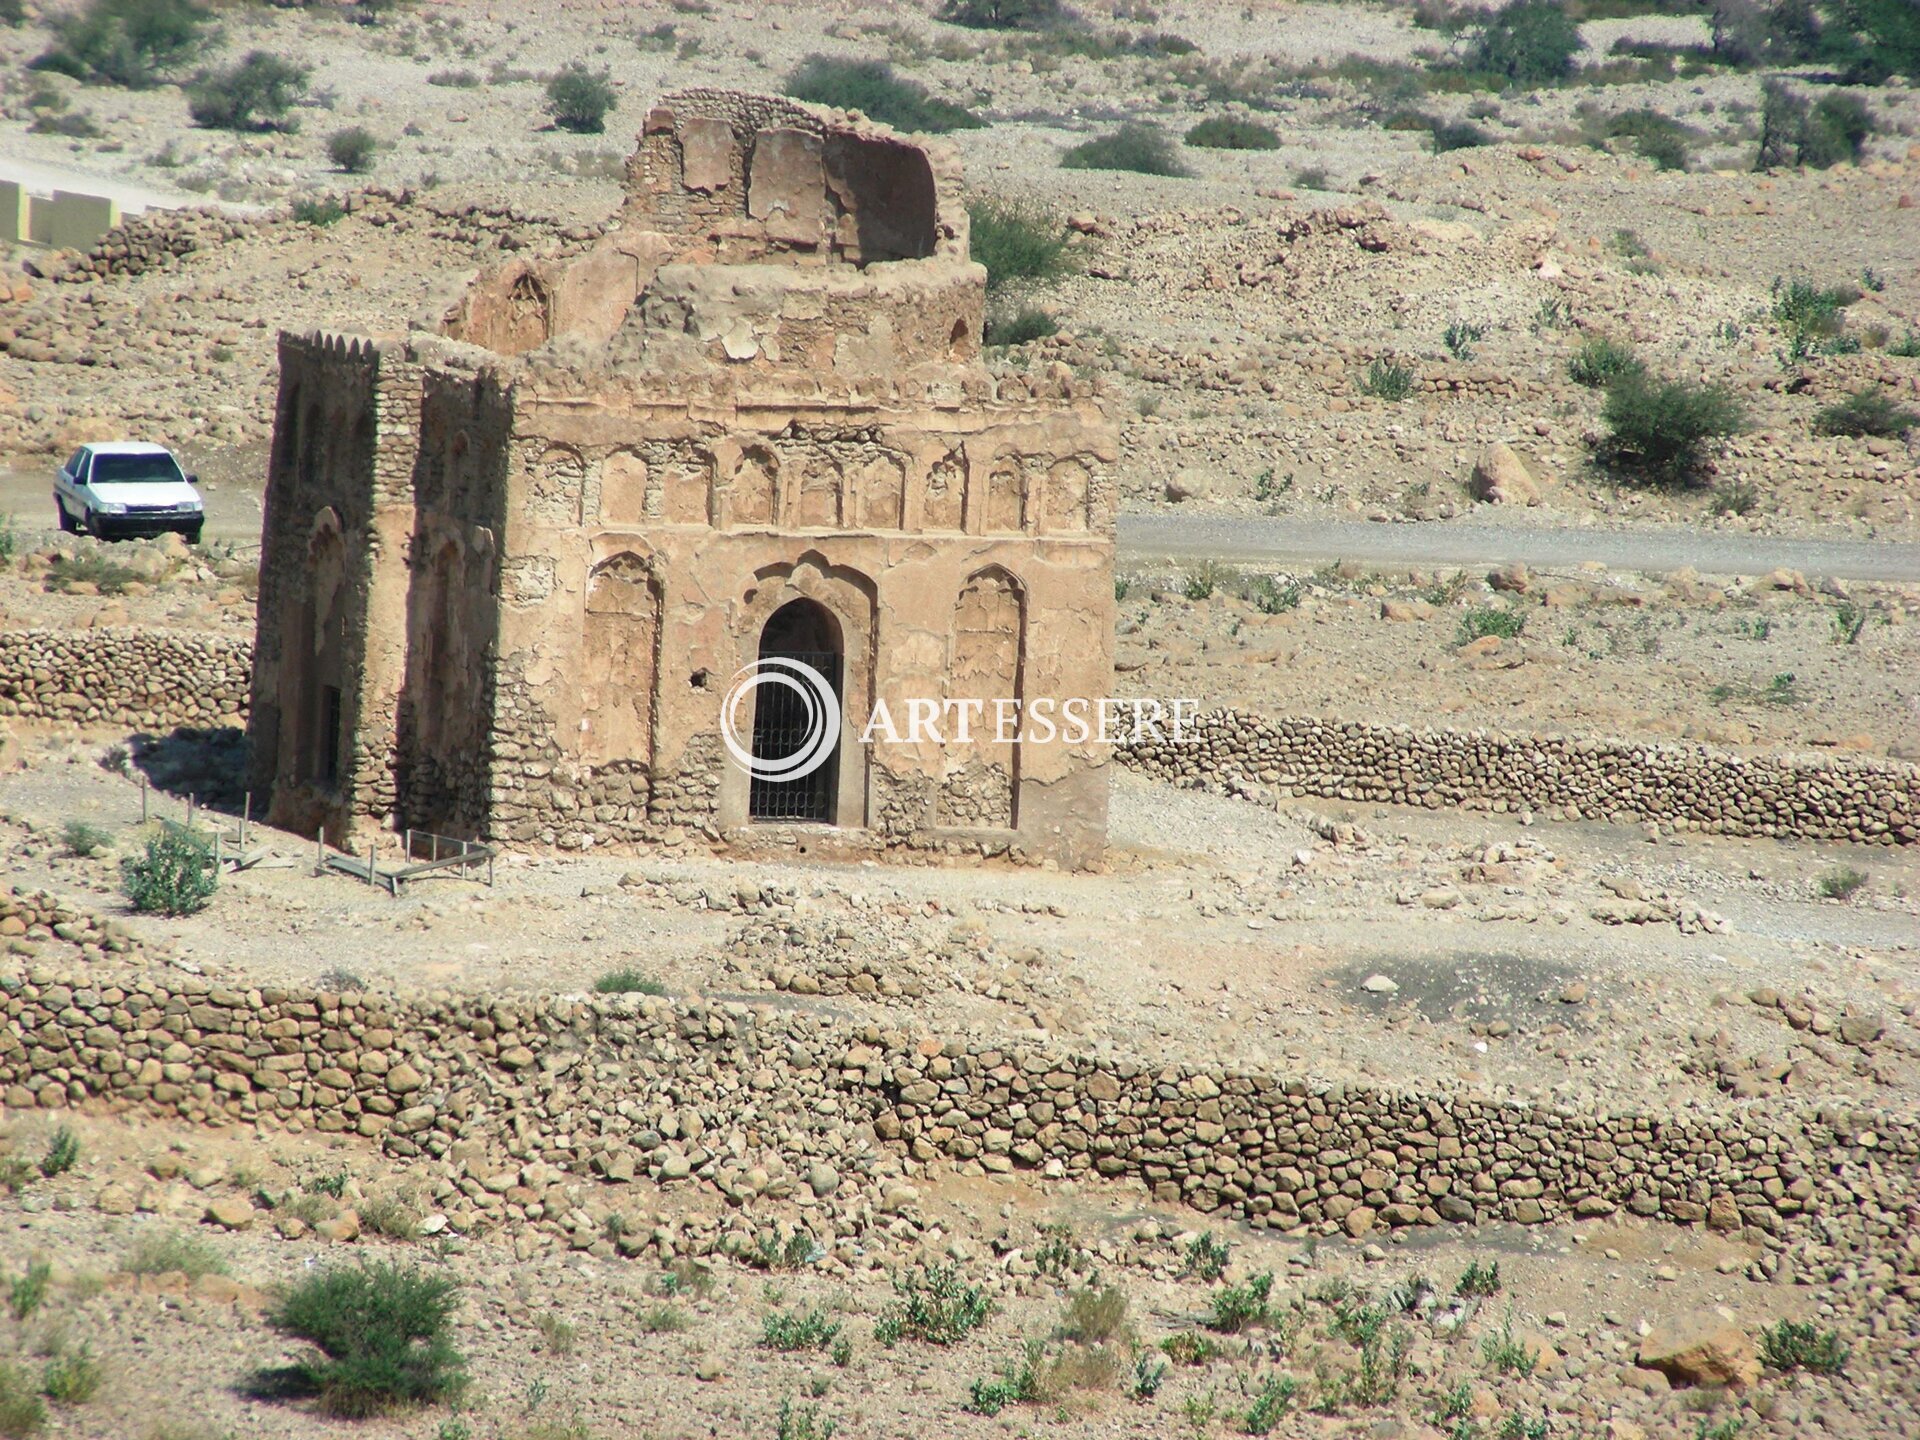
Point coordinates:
[[134, 469]]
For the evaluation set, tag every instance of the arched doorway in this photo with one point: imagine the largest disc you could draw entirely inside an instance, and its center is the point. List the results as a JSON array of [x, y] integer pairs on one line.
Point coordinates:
[[801, 632]]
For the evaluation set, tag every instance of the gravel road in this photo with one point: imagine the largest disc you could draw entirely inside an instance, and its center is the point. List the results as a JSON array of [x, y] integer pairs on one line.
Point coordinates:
[[1654, 550]]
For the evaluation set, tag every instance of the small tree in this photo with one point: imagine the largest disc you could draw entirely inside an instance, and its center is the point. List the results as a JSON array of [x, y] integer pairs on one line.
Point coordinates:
[[1528, 42], [380, 1333], [1016, 240], [1231, 132], [353, 149], [136, 43], [1663, 429], [254, 94], [580, 100], [175, 875], [1867, 411], [1821, 136]]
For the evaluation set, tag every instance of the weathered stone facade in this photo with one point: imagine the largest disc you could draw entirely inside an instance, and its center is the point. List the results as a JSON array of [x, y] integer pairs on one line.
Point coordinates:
[[511, 569]]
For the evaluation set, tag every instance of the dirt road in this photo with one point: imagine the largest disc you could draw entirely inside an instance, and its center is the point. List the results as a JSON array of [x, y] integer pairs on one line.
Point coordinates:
[[1243, 539]]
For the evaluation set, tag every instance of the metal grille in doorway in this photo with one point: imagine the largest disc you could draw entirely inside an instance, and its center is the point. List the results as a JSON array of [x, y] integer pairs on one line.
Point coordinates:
[[780, 729]]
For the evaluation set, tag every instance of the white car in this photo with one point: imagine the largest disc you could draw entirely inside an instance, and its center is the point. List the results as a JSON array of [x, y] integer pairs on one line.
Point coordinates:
[[127, 488]]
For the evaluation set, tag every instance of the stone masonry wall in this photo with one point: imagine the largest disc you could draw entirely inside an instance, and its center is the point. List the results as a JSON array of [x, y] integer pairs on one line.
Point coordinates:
[[167, 678], [483, 1092], [137, 677], [1690, 787]]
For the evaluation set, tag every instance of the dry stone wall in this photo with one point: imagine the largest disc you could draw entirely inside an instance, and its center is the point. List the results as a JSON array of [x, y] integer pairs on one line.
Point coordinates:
[[143, 678], [1689, 787], [836, 1116]]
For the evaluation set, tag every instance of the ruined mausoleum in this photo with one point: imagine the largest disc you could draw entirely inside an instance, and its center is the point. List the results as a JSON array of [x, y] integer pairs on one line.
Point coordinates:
[[511, 568]]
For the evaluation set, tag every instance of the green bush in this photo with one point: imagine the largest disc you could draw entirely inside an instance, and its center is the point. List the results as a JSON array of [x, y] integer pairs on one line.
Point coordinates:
[[1387, 380], [72, 1377], [379, 1333], [353, 149], [1867, 411], [1598, 362], [1662, 429], [1832, 131], [1461, 336], [175, 876], [63, 1153], [938, 1308], [1141, 148], [1873, 39], [799, 1330], [1231, 132], [871, 87], [1449, 135], [1017, 240], [1527, 43], [1003, 14], [1484, 620], [580, 100], [22, 1411], [1798, 1345], [253, 94], [628, 982], [172, 1252], [1841, 883], [1022, 327], [324, 210], [28, 1293], [136, 43], [83, 840], [1241, 1307]]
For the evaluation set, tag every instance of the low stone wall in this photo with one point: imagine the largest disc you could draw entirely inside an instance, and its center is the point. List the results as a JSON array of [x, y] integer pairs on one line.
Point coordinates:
[[481, 1093], [147, 678], [1688, 787], [160, 678]]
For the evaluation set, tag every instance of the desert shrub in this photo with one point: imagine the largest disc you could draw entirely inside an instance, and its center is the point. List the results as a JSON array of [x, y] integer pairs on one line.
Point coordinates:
[[1312, 177], [1235, 1308], [1484, 620], [1231, 132], [770, 1253], [254, 93], [1479, 1281], [1662, 429], [379, 1337], [1832, 131], [580, 100], [1598, 362], [1095, 1315], [628, 982], [84, 840], [28, 1292], [1003, 14], [662, 1320], [172, 1252], [804, 1423], [90, 567], [872, 87], [1841, 883], [1207, 1257], [136, 43], [455, 79], [1273, 1401], [1455, 135], [1141, 148], [353, 149], [799, 1330], [937, 1307], [63, 1153], [1873, 39], [1190, 1347], [1387, 380], [1655, 136], [1461, 336], [175, 875], [1017, 240], [1867, 411], [1799, 1345], [13, 13], [1764, 32], [72, 1377], [1022, 327], [1527, 43], [389, 1215], [323, 210], [22, 1411]]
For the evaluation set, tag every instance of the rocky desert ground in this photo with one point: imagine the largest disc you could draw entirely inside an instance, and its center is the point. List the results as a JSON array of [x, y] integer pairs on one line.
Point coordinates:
[[848, 1179]]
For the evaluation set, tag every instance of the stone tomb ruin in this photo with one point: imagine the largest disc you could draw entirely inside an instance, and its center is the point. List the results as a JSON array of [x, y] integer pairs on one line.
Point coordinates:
[[512, 568]]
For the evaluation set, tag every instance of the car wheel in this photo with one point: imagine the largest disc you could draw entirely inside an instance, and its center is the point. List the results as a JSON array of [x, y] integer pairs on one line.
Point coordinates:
[[67, 525], [193, 534]]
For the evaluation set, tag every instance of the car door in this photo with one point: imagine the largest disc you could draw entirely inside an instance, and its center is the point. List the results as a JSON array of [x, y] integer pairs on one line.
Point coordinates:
[[71, 482]]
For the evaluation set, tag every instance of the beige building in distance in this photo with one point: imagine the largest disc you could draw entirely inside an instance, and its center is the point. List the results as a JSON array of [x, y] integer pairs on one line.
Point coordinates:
[[512, 569]]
